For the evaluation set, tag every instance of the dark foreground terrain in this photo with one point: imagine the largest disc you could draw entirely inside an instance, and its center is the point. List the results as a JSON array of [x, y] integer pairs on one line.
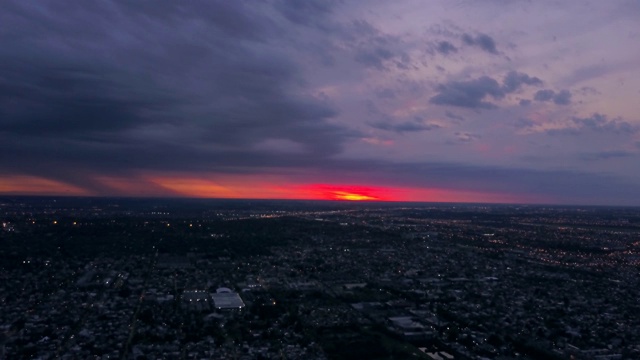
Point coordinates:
[[84, 278]]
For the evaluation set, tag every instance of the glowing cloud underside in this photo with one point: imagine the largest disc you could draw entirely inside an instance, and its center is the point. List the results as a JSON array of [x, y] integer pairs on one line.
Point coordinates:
[[33, 185]]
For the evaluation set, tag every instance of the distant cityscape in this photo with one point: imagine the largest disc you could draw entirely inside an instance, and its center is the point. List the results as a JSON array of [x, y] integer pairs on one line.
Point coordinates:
[[109, 278]]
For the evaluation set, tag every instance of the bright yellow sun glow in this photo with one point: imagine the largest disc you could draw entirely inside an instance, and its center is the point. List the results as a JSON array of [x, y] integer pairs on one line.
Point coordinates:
[[343, 195]]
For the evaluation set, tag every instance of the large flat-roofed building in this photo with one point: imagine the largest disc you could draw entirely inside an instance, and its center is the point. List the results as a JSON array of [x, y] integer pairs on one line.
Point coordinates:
[[224, 298]]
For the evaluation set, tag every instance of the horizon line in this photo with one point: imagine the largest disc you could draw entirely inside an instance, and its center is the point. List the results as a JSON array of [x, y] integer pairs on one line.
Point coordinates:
[[342, 201]]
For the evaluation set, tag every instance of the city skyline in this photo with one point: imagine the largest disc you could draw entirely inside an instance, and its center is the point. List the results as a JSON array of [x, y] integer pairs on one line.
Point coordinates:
[[456, 101]]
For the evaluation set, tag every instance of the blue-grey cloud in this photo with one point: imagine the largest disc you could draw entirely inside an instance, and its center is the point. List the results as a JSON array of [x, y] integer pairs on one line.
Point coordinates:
[[523, 123], [307, 12], [374, 48], [514, 80], [469, 94], [445, 48], [375, 57], [606, 155], [587, 73], [544, 95], [596, 123], [474, 93], [483, 41], [404, 126], [601, 123], [385, 93], [465, 136], [561, 98], [453, 116]]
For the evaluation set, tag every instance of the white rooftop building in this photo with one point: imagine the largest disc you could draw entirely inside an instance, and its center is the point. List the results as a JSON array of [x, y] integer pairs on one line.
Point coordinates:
[[224, 298]]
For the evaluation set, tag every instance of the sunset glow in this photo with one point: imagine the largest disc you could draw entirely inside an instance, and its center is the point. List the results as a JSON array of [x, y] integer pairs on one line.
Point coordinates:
[[343, 195], [348, 193], [31, 185], [248, 187]]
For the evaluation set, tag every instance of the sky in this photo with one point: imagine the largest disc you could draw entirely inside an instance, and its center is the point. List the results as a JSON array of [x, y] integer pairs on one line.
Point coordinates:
[[447, 101]]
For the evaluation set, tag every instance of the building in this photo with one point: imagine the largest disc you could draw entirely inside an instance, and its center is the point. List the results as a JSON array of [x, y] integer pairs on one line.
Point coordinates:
[[226, 299]]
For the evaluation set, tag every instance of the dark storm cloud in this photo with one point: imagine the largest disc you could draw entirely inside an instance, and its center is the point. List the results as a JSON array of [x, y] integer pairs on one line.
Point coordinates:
[[514, 81], [469, 94], [561, 98], [525, 102], [483, 41], [119, 86], [38, 100], [446, 48]]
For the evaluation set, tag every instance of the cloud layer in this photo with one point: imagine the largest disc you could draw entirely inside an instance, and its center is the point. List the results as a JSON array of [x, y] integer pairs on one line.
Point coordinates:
[[308, 90]]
